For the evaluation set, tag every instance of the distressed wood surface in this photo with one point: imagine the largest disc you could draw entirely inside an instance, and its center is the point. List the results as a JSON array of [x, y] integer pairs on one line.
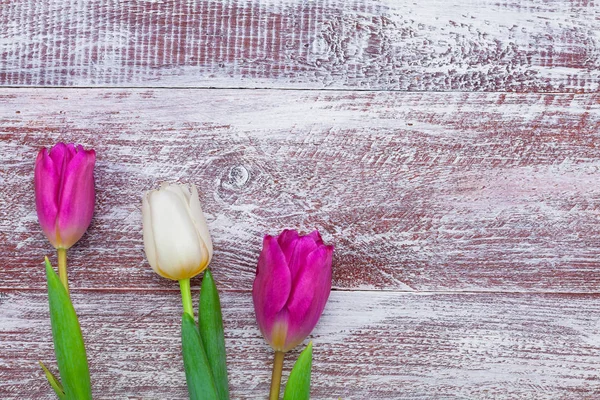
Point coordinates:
[[465, 217], [368, 345], [418, 191], [465, 45]]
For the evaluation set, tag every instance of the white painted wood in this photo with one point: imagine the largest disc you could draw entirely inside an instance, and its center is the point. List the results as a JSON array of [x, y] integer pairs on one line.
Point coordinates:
[[418, 191], [465, 45], [375, 345], [465, 224]]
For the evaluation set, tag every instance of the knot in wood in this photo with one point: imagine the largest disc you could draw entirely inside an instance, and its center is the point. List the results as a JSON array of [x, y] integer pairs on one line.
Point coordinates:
[[237, 178]]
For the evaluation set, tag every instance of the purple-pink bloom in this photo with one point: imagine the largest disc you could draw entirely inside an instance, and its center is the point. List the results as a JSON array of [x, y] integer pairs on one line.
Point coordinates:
[[64, 192], [292, 285]]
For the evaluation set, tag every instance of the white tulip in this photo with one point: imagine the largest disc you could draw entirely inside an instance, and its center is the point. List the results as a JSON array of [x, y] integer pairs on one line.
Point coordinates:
[[176, 237]]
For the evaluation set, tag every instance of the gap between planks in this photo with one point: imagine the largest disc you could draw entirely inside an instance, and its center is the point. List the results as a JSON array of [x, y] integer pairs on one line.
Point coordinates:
[[339, 290], [286, 89]]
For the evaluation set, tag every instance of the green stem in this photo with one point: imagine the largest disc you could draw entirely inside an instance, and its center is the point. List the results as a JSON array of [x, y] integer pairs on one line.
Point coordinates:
[[276, 376], [62, 268], [186, 296]]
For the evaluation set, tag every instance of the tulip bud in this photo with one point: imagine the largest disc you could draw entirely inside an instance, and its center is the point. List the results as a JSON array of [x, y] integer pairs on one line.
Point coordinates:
[[176, 237], [292, 285], [64, 192]]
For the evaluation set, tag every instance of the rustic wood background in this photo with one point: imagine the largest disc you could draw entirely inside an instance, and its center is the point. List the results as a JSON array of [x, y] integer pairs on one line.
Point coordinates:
[[450, 151]]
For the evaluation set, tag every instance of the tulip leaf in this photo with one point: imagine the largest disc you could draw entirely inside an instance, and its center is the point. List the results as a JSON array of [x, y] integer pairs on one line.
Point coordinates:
[[53, 381], [210, 322], [68, 340], [198, 374], [298, 384]]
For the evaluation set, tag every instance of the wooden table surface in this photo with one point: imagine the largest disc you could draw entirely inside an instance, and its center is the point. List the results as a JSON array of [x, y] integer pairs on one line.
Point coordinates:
[[449, 150]]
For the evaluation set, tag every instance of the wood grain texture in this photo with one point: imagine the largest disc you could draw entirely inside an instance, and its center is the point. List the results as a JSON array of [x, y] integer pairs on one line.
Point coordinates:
[[368, 345], [466, 218], [438, 191], [482, 45]]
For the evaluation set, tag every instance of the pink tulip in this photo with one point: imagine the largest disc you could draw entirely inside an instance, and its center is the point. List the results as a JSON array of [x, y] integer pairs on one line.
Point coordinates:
[[64, 192], [292, 285]]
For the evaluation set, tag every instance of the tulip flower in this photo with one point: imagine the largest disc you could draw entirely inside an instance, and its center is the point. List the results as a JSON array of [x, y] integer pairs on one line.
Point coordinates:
[[178, 247], [64, 199], [292, 285], [176, 238], [64, 196]]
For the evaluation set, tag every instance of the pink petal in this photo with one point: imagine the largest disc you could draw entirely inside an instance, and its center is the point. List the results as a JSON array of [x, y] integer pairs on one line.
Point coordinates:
[[272, 284], [76, 199], [46, 179], [287, 241], [73, 149], [316, 237], [298, 259], [310, 291], [59, 152]]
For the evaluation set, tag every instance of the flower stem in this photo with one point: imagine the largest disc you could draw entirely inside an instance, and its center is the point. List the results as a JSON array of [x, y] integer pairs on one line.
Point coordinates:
[[62, 268], [186, 296], [276, 377]]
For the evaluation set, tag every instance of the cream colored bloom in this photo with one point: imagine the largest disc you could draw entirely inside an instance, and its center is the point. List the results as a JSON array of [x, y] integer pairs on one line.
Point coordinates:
[[176, 237]]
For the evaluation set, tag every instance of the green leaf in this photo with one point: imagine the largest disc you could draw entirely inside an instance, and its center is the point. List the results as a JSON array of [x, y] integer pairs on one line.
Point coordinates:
[[298, 384], [55, 383], [210, 323], [198, 374], [68, 341]]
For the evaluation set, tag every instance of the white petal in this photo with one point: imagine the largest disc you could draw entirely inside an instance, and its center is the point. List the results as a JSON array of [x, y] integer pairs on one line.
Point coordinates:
[[186, 191], [149, 245], [200, 221], [180, 190], [178, 247]]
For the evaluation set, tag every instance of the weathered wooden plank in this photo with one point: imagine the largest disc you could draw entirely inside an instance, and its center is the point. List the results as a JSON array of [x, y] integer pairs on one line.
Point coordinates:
[[423, 191], [481, 45], [375, 345]]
